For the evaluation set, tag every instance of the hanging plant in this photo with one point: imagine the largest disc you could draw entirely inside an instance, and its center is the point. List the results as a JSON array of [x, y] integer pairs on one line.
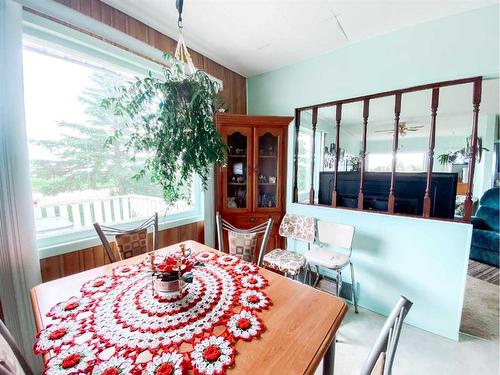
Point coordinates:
[[171, 123]]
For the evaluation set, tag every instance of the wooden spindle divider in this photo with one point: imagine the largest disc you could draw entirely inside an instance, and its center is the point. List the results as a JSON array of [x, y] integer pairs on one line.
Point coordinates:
[[476, 101], [296, 157], [430, 155], [313, 156], [395, 143], [468, 206], [361, 194], [338, 117]]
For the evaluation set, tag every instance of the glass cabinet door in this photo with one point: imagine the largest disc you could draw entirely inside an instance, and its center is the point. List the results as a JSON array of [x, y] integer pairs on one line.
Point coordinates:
[[268, 170], [237, 176]]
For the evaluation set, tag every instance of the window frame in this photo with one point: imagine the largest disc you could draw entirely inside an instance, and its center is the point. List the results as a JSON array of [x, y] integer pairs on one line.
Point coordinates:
[[54, 33]]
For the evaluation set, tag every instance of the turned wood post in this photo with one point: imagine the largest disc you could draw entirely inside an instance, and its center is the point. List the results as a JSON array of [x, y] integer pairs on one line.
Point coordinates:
[[366, 105], [337, 152], [313, 156], [476, 100], [395, 143], [430, 156], [296, 157]]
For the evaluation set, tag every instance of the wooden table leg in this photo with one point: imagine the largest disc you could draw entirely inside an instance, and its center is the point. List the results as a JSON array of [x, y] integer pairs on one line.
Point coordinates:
[[329, 359]]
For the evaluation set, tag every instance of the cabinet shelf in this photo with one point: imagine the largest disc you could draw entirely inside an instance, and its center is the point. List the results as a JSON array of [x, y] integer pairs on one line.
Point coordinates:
[[257, 147]]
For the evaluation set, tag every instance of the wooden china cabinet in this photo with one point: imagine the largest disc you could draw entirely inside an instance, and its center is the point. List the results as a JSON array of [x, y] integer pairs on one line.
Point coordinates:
[[252, 186]]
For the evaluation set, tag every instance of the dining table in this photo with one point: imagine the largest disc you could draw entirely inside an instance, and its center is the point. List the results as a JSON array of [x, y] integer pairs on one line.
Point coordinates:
[[297, 325]]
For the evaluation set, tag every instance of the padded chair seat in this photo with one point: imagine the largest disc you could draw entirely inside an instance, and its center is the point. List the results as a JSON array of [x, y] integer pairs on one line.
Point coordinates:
[[284, 261], [326, 258]]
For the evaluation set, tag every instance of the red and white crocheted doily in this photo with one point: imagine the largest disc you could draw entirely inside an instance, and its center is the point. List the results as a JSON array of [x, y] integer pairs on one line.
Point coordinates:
[[117, 325]]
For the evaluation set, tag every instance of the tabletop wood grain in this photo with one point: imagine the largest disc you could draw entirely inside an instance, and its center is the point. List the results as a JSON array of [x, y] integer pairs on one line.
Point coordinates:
[[300, 324]]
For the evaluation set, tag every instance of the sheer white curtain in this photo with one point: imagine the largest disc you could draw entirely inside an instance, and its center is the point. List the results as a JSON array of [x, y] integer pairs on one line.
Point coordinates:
[[19, 263]]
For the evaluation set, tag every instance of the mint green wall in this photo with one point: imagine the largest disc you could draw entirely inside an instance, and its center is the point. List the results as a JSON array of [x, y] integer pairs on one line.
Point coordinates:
[[460, 46], [425, 260]]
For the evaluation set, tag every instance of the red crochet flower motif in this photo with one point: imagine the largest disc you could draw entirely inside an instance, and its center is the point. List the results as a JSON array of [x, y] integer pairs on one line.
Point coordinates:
[[253, 281], [111, 371], [71, 306], [98, 283], [244, 323], [253, 299], [211, 353], [71, 361], [165, 369], [58, 333]]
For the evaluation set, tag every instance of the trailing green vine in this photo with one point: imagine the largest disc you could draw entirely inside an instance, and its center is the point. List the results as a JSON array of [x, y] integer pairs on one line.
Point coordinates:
[[171, 122]]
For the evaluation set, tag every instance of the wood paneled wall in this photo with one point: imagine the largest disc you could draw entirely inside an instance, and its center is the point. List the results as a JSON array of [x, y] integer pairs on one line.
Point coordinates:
[[85, 259], [234, 93]]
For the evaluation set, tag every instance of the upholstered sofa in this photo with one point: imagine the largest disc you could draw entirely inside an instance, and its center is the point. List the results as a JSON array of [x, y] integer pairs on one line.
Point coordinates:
[[485, 235]]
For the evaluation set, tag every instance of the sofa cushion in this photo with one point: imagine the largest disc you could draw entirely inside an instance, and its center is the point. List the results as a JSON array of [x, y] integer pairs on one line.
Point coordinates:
[[479, 223], [489, 216], [484, 256], [490, 198], [485, 239]]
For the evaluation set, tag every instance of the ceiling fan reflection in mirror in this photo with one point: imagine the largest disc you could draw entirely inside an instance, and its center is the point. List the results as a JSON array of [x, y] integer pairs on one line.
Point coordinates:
[[403, 129]]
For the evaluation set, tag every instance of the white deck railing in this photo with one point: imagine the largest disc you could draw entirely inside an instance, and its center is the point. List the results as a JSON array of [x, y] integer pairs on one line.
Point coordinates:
[[84, 212]]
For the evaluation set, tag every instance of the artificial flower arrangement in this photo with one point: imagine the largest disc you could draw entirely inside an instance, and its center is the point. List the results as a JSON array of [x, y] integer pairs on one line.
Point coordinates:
[[171, 275]]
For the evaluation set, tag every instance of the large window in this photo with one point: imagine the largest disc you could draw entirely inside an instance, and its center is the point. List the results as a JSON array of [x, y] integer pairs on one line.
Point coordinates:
[[76, 179], [405, 162]]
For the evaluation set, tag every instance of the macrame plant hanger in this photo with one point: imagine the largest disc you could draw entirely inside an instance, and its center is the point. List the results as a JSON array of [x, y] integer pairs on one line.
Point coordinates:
[[181, 52]]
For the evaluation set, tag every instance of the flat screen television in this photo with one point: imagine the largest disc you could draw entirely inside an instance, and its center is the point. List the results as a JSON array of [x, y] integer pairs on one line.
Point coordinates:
[[409, 191]]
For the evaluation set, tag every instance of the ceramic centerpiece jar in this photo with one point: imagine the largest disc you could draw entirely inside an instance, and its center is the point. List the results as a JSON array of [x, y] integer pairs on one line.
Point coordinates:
[[170, 276]]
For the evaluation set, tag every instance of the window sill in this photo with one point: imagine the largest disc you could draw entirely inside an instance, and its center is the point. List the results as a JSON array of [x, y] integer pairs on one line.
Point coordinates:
[[91, 241]]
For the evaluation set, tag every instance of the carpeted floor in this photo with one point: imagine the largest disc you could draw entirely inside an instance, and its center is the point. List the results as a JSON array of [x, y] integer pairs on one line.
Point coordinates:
[[484, 272], [480, 313]]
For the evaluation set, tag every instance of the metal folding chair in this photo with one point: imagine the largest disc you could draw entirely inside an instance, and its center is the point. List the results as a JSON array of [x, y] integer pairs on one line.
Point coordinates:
[[263, 228], [381, 357], [11, 358], [105, 231], [341, 236]]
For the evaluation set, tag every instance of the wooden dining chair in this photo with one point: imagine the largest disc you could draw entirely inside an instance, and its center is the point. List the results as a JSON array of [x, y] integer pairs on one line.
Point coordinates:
[[11, 358], [130, 242], [340, 236], [243, 242], [381, 357]]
